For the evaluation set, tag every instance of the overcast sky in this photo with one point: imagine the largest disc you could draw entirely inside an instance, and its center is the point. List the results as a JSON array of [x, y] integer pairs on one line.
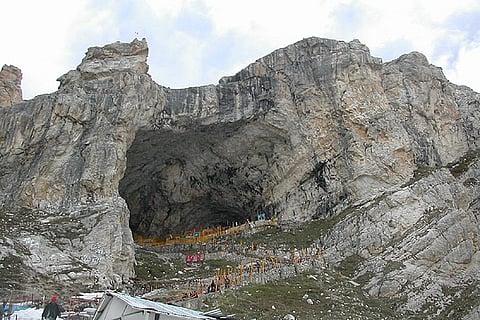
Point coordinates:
[[197, 42]]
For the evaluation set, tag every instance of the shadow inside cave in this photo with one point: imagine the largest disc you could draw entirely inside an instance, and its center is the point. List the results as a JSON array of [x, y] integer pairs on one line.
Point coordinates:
[[214, 175]]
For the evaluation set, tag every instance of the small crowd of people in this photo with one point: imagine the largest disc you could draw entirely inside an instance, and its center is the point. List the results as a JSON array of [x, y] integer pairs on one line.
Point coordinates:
[[51, 311]]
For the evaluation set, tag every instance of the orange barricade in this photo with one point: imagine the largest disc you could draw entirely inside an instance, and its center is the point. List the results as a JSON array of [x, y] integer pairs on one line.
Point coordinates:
[[194, 236]]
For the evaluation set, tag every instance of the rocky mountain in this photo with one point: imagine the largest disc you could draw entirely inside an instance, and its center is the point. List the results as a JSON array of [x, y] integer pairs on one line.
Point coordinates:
[[10, 85], [319, 129]]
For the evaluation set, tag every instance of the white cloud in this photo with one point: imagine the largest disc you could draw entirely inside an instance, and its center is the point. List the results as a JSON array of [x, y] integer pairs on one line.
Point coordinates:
[[92, 23], [168, 8], [409, 20], [467, 68], [269, 23], [34, 37], [196, 42]]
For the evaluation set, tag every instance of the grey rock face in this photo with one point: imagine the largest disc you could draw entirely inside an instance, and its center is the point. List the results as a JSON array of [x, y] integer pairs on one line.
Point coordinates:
[[63, 155], [317, 129], [416, 241], [293, 134], [10, 86]]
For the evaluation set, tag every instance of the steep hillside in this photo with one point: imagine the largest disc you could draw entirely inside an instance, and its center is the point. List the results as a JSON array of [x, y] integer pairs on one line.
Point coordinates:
[[386, 154]]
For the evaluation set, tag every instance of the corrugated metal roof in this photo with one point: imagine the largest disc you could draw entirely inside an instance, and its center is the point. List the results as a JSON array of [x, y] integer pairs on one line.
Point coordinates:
[[214, 313], [157, 307]]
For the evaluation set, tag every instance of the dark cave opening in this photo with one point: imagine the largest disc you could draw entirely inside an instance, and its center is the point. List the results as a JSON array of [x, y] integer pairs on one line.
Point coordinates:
[[205, 177]]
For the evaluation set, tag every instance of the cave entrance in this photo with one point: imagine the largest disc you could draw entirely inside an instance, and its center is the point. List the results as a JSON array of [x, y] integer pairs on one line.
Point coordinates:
[[210, 176]]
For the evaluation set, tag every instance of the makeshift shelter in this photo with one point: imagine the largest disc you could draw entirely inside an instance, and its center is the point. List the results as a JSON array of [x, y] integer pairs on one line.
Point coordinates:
[[119, 306]]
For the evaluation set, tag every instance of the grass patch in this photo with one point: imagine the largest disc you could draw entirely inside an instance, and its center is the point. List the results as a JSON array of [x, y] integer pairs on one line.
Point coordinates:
[[392, 266], [217, 264], [465, 299], [274, 237], [456, 168], [459, 167], [299, 236], [12, 272], [419, 173], [152, 266], [331, 297], [50, 225], [350, 264]]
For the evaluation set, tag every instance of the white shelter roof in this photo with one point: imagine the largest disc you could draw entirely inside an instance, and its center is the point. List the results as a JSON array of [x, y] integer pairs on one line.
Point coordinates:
[[150, 306]]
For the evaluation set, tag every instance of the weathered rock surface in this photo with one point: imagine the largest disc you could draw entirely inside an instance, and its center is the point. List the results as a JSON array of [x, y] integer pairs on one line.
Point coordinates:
[[62, 157], [319, 129], [418, 242], [10, 86]]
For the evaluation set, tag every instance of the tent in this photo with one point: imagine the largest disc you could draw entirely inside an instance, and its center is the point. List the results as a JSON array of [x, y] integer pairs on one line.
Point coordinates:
[[119, 306]]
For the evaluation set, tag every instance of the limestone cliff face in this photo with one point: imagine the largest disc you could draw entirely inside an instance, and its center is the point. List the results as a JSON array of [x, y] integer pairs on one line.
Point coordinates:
[[10, 86], [318, 129], [62, 156], [293, 134]]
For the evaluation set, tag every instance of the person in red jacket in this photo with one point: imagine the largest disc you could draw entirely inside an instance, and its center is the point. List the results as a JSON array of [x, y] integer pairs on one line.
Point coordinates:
[[52, 310]]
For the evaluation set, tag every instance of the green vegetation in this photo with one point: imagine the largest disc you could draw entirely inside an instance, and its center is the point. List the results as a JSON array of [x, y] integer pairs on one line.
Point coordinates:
[[10, 271], [456, 168], [153, 266], [465, 299], [331, 297], [274, 237], [300, 236], [420, 172], [393, 266], [218, 264], [350, 264], [37, 222], [463, 164], [150, 266]]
